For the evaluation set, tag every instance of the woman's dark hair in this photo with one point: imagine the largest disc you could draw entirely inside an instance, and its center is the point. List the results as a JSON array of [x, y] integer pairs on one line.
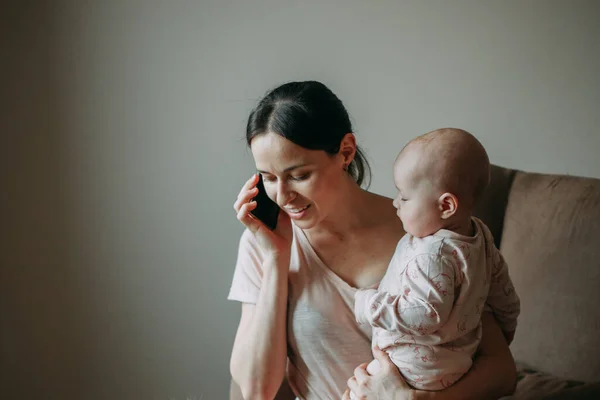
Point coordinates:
[[309, 115]]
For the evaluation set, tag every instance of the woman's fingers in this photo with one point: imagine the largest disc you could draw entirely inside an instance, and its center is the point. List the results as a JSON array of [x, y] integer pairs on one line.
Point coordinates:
[[250, 183], [384, 359], [378, 353], [247, 192], [358, 382], [361, 373], [243, 205], [387, 367], [246, 218], [352, 384], [385, 384], [277, 241], [245, 195], [243, 198]]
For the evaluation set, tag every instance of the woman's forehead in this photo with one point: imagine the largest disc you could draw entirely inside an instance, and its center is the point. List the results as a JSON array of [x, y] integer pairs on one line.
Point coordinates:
[[273, 152]]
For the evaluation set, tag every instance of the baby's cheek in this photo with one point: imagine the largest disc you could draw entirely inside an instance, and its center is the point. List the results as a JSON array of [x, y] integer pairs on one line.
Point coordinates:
[[409, 215]]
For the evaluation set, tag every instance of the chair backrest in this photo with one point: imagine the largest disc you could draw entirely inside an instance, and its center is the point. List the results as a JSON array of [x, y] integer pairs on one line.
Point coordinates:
[[548, 228]]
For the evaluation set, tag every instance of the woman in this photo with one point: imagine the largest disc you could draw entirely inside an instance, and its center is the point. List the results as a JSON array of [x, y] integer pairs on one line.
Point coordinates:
[[297, 283]]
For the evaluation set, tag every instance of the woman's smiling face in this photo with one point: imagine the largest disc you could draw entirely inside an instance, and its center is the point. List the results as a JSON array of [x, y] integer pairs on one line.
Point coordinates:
[[303, 182]]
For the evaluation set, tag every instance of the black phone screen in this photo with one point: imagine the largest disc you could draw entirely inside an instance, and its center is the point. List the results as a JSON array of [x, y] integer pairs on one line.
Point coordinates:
[[266, 209]]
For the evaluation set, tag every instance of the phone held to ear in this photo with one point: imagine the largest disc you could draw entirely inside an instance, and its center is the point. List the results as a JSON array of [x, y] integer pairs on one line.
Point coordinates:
[[266, 209]]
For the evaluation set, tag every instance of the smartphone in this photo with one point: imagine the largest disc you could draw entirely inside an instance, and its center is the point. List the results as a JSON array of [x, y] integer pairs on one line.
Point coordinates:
[[266, 209]]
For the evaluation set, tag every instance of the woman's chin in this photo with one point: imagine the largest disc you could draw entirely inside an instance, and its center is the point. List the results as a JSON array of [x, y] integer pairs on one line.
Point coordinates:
[[302, 224], [305, 223]]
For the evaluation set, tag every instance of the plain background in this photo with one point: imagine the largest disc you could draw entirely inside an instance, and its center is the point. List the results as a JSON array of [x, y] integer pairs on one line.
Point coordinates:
[[122, 152]]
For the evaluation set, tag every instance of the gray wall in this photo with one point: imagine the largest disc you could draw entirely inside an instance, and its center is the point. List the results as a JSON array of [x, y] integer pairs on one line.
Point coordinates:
[[121, 153]]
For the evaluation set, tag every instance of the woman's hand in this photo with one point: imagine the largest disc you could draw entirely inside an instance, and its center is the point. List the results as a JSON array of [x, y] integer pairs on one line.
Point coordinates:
[[387, 384], [274, 243]]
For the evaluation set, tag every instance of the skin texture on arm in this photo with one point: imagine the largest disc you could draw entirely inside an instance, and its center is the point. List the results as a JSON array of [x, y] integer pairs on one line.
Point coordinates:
[[259, 353], [492, 375], [284, 393]]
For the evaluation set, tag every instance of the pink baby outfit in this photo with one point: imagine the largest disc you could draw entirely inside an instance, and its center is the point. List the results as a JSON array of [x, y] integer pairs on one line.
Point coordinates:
[[427, 310]]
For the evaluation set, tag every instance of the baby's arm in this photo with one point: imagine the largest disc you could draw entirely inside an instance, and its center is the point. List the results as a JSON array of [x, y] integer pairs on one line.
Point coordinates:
[[503, 298], [423, 304]]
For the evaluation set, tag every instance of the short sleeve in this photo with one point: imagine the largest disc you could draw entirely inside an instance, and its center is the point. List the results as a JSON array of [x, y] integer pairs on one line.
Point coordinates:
[[247, 277]]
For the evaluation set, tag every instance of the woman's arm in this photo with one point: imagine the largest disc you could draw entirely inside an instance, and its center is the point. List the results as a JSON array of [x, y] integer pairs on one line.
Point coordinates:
[[284, 393], [259, 355], [492, 375]]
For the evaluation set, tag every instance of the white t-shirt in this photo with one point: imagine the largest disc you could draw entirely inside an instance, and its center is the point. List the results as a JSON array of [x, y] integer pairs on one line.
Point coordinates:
[[325, 344]]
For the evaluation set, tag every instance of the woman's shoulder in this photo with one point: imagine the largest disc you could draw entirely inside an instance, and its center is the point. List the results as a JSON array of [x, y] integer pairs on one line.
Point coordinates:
[[382, 220], [248, 244], [247, 240], [382, 211]]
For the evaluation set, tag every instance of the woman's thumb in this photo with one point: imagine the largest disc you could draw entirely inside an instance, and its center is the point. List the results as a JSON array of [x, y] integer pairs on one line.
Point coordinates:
[[379, 354]]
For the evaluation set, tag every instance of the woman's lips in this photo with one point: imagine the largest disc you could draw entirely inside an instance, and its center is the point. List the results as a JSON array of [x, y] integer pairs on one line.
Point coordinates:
[[296, 212]]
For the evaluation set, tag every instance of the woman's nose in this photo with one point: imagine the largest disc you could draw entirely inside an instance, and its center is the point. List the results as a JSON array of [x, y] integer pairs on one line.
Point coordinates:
[[284, 194]]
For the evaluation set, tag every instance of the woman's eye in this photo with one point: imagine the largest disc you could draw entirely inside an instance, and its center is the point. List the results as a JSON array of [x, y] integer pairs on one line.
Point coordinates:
[[268, 179], [300, 177]]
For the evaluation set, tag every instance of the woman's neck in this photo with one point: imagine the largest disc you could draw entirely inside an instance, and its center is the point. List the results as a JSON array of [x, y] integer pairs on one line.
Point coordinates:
[[351, 214]]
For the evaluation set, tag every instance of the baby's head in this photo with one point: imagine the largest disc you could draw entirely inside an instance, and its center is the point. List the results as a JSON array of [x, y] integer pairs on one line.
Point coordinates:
[[440, 176]]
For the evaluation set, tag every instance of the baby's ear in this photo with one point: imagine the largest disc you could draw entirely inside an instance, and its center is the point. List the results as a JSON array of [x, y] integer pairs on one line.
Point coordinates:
[[448, 205]]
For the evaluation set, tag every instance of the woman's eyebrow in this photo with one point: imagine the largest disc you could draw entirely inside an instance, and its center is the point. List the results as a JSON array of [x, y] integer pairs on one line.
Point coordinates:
[[285, 170]]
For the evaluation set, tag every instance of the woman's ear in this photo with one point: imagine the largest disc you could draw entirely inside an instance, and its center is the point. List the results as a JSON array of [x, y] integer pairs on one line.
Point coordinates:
[[347, 149], [448, 205]]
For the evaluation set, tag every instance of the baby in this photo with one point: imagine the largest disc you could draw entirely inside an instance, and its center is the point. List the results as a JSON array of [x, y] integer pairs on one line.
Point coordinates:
[[445, 271]]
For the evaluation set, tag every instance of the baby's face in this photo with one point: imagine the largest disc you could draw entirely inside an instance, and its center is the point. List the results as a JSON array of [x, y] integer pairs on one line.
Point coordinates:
[[417, 199]]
